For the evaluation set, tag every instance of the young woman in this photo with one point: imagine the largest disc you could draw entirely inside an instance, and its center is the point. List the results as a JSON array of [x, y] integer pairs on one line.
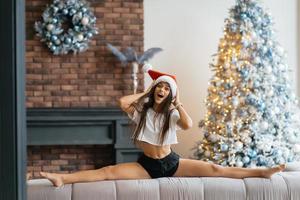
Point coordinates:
[[158, 113]]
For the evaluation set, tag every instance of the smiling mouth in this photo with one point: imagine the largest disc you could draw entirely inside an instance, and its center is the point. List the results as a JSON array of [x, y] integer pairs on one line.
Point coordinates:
[[160, 96]]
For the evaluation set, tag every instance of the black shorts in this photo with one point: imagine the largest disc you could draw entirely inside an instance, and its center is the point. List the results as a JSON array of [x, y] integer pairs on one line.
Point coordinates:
[[164, 167]]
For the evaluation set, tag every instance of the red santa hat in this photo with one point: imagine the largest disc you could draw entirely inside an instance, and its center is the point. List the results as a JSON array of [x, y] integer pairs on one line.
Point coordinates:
[[161, 77]]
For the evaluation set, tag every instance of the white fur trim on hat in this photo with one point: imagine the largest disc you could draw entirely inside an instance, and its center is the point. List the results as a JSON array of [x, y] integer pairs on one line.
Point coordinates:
[[147, 67], [171, 81]]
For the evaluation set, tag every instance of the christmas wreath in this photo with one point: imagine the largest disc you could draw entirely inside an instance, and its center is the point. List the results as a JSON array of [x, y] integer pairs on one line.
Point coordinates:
[[67, 25]]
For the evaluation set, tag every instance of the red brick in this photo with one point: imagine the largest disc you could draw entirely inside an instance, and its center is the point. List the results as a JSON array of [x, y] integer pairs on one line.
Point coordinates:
[[112, 4], [95, 93], [34, 87], [33, 65], [78, 82], [42, 104], [103, 10], [68, 156], [70, 98], [78, 71], [87, 87], [121, 10], [69, 87], [87, 65], [41, 93], [34, 168], [69, 76], [61, 104], [78, 93], [112, 26], [50, 168], [52, 87], [53, 98], [59, 162], [88, 98], [60, 60], [60, 71], [105, 87], [131, 5], [35, 99], [112, 15], [40, 162], [137, 10], [35, 157], [42, 60], [34, 76], [51, 65], [69, 65], [79, 104]]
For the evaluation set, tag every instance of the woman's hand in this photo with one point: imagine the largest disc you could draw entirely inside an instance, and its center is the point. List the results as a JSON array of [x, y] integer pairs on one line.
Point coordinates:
[[176, 101]]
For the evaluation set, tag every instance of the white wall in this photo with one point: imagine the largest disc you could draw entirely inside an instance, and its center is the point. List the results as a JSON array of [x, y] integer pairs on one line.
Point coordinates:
[[189, 32]]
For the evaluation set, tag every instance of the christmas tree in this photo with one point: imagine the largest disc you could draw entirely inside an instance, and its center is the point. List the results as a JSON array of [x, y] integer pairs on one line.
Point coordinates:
[[252, 114]]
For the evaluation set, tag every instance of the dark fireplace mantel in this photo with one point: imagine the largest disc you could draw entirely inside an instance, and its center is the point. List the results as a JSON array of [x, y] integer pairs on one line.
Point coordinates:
[[84, 126]]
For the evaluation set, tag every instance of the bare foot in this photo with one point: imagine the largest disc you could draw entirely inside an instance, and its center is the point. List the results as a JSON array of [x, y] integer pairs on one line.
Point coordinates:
[[56, 179], [267, 173], [28, 176]]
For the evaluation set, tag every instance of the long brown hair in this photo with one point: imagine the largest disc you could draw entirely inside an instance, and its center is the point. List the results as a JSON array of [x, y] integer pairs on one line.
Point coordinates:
[[146, 102]]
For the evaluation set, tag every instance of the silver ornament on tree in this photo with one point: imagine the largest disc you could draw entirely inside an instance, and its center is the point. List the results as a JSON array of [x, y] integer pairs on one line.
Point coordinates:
[[131, 56]]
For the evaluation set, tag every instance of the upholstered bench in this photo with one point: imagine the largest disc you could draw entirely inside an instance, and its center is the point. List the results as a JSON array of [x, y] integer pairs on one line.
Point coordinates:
[[282, 186]]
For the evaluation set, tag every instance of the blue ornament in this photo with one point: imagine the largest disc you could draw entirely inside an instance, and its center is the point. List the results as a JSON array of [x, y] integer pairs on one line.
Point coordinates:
[[252, 153], [224, 147], [54, 38], [72, 12], [233, 27], [65, 11], [290, 158], [256, 84], [243, 16], [55, 9], [48, 35], [287, 115], [84, 9], [76, 28], [246, 160], [77, 45], [89, 35], [244, 73], [53, 48], [261, 161], [54, 20], [227, 86], [57, 42], [261, 106], [245, 43], [68, 40]]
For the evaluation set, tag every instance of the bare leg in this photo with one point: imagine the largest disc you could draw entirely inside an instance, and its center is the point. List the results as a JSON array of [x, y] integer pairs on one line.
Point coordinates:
[[120, 171], [188, 167]]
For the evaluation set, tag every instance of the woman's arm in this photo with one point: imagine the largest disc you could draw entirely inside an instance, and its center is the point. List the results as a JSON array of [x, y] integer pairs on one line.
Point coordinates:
[[185, 121], [125, 102]]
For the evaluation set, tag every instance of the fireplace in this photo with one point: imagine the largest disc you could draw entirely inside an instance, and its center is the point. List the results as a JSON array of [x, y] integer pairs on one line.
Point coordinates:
[[68, 140]]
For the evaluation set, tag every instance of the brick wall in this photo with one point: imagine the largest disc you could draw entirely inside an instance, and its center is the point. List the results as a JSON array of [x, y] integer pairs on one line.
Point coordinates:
[[65, 159], [94, 78], [90, 79]]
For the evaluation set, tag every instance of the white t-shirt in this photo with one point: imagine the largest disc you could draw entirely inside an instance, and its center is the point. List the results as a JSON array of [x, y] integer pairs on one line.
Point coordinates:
[[154, 126]]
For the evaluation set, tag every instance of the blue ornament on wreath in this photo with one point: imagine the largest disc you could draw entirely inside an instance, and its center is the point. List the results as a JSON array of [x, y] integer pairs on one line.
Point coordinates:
[[76, 37]]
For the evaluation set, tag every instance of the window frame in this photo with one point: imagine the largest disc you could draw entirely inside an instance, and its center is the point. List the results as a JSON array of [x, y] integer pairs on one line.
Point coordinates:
[[13, 152]]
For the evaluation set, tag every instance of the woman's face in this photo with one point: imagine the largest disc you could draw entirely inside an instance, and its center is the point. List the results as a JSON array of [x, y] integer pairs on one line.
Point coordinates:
[[161, 92]]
